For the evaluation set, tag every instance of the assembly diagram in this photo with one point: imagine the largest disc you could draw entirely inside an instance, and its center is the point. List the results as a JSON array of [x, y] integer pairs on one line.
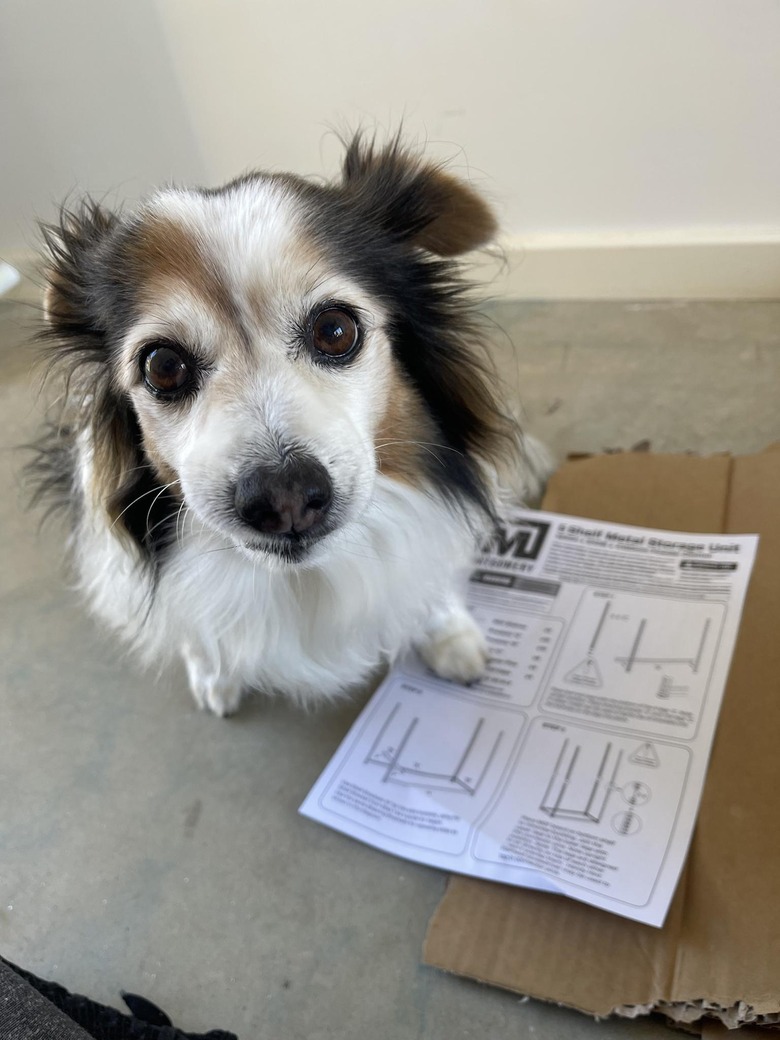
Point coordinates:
[[411, 763], [628, 821], [651, 655], [574, 791], [580, 787], [635, 656], [587, 672]]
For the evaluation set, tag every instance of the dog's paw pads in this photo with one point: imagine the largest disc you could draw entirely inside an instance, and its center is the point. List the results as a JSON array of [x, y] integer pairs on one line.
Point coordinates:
[[460, 656]]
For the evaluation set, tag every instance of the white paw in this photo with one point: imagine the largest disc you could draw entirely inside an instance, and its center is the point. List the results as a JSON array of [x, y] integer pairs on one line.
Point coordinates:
[[539, 467], [459, 655], [219, 696], [212, 692]]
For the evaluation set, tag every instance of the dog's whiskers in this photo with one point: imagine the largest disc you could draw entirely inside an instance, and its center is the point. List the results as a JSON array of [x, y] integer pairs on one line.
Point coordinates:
[[162, 491], [425, 445], [180, 537], [166, 519], [219, 548], [158, 488]]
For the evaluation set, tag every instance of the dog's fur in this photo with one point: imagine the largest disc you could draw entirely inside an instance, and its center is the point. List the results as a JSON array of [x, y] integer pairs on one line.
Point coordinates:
[[409, 430]]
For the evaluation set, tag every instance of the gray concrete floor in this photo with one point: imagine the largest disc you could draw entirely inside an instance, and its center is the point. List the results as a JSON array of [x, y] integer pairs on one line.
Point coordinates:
[[146, 846]]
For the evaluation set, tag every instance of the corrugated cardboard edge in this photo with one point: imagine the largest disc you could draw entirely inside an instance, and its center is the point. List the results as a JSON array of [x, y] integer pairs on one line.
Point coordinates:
[[691, 1015], [701, 1016], [705, 1016]]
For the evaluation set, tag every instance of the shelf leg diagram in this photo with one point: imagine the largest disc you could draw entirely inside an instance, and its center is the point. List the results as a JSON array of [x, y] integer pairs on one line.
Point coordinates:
[[587, 672], [634, 657], [574, 790], [392, 750]]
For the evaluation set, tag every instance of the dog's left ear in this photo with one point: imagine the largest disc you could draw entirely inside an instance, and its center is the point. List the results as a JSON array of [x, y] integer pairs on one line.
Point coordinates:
[[74, 250], [414, 201], [82, 290]]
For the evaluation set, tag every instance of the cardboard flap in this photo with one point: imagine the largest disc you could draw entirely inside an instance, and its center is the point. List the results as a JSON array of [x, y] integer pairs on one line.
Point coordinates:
[[678, 492], [719, 949], [732, 947], [550, 947]]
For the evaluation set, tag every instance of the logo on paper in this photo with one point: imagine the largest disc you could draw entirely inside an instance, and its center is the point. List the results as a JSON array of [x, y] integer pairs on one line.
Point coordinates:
[[523, 540]]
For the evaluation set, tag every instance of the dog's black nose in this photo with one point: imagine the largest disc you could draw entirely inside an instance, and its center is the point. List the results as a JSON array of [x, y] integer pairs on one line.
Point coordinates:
[[290, 499]]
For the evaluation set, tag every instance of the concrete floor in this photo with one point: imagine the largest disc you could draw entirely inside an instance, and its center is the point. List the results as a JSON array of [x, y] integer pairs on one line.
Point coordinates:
[[149, 847]]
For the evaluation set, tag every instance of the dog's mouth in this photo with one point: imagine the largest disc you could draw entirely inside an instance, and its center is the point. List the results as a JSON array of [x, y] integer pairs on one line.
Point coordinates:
[[291, 549]]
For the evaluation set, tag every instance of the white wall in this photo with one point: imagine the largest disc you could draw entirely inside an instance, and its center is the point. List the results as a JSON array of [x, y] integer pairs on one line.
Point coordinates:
[[88, 102], [592, 124], [577, 115]]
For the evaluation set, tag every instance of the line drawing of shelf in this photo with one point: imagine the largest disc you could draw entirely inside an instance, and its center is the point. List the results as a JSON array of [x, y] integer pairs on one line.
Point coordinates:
[[469, 769], [587, 672], [571, 795], [693, 662]]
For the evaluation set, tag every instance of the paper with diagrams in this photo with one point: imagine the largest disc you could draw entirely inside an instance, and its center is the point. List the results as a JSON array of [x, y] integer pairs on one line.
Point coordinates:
[[577, 763]]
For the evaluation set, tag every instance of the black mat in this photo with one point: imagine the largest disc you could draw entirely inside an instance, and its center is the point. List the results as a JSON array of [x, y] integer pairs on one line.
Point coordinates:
[[34, 1009]]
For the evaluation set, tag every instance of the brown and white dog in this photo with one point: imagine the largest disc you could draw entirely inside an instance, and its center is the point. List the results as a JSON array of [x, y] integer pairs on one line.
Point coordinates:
[[278, 439]]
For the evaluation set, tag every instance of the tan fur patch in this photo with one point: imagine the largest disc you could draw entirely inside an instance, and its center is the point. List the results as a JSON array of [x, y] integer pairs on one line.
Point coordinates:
[[164, 252], [405, 435], [113, 463], [115, 469], [465, 222]]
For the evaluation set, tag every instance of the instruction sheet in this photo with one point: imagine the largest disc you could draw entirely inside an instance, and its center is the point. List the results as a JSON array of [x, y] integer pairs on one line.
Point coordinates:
[[577, 763]]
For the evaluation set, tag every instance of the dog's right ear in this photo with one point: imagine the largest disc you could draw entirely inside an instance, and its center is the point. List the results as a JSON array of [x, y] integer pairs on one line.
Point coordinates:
[[415, 201], [74, 249]]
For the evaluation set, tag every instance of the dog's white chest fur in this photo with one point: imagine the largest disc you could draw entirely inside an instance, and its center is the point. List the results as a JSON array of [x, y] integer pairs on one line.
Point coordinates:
[[389, 582]]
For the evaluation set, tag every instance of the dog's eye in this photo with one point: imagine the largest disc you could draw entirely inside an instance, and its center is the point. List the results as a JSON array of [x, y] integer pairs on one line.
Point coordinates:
[[166, 371], [335, 333]]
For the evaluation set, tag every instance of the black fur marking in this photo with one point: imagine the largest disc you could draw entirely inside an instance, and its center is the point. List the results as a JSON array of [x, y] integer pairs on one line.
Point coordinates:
[[50, 471], [142, 504], [368, 227]]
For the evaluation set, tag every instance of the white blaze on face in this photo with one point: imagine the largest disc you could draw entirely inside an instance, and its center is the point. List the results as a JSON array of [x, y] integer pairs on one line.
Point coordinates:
[[234, 279]]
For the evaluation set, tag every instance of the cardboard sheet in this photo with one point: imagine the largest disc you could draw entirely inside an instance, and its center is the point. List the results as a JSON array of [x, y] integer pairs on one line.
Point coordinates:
[[576, 764], [718, 953]]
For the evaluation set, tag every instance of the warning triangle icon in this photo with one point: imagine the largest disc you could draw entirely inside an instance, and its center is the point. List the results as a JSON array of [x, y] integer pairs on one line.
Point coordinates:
[[645, 755]]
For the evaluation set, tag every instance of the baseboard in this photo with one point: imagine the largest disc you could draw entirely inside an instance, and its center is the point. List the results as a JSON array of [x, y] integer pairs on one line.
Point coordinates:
[[658, 267], [661, 266]]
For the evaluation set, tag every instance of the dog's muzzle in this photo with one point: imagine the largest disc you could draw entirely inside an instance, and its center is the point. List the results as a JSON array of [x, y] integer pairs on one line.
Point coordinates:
[[287, 504]]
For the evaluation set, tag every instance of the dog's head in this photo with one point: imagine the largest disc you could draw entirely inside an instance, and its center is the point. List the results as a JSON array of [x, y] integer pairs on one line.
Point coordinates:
[[259, 353]]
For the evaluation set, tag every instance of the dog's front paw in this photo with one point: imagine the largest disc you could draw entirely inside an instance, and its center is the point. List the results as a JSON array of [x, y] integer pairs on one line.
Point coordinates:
[[212, 691], [219, 696], [457, 653]]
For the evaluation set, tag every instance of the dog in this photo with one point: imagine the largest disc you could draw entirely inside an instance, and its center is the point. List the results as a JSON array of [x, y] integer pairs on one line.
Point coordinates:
[[279, 438]]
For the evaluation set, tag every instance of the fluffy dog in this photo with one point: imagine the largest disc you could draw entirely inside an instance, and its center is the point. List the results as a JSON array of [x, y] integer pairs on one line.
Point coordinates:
[[278, 437]]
